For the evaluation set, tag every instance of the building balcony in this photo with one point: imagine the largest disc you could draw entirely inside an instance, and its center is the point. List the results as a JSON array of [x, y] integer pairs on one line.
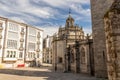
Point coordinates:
[[10, 59], [29, 59]]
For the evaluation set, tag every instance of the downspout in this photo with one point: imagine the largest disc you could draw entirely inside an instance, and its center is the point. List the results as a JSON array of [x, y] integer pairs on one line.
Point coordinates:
[[4, 40], [26, 36]]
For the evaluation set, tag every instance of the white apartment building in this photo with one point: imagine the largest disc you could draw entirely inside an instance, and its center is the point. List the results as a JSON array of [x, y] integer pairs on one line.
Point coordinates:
[[20, 44]]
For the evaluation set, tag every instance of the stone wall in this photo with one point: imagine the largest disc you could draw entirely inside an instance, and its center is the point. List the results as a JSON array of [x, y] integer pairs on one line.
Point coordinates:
[[112, 33], [98, 9]]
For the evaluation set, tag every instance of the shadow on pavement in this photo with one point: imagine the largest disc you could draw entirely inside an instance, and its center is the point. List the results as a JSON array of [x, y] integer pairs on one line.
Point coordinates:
[[47, 74]]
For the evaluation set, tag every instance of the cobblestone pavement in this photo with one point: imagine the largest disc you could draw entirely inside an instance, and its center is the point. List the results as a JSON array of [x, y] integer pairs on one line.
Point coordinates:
[[43, 73]]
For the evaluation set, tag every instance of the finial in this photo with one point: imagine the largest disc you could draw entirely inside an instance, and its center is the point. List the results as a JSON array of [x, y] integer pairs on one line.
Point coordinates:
[[69, 11]]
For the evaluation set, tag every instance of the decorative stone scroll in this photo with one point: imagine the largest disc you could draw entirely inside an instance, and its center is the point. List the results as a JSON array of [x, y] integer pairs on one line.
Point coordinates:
[[22, 39]]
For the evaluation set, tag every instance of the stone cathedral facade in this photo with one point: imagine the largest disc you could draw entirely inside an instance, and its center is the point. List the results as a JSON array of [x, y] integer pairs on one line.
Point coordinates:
[[72, 50]]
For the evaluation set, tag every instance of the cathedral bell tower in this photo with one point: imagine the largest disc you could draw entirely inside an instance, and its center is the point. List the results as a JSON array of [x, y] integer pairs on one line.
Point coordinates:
[[69, 21]]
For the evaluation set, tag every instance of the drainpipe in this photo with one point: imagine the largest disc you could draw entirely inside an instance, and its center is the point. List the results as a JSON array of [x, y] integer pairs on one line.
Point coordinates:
[[26, 36], [4, 40]]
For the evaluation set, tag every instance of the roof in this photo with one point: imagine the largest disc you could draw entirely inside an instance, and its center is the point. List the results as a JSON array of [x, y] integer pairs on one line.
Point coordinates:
[[2, 18]]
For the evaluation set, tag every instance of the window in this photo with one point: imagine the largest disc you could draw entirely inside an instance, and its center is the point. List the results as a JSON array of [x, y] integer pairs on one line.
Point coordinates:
[[11, 54], [12, 35], [14, 54], [32, 38], [11, 44], [8, 54], [20, 54], [32, 31], [28, 54], [13, 27], [31, 46], [82, 55], [31, 55]]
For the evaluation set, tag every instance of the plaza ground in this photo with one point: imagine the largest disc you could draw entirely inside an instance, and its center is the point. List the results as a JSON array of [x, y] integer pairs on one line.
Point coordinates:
[[42, 73]]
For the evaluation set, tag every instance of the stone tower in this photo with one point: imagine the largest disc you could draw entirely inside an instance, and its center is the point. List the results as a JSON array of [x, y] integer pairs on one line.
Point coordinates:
[[98, 9]]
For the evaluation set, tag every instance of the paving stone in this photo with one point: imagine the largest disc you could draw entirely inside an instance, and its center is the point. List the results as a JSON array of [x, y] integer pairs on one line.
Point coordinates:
[[40, 74]]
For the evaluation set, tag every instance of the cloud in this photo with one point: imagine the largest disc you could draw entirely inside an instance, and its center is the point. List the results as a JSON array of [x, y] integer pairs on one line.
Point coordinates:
[[49, 30], [17, 19], [87, 30], [44, 12], [79, 9], [59, 3], [21, 7], [81, 1]]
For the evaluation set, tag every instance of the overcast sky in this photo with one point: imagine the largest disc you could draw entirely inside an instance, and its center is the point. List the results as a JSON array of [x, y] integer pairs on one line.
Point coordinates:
[[47, 14]]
